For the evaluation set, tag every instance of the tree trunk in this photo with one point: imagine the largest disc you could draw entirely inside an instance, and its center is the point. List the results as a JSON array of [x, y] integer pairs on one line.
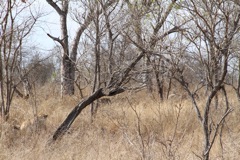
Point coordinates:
[[114, 88], [75, 112], [67, 69], [1, 84], [169, 87], [238, 85], [159, 76], [68, 66], [148, 76], [67, 76], [77, 109], [96, 82]]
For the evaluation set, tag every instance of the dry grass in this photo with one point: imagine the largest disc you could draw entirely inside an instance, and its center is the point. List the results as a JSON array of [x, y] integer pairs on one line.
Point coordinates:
[[133, 126]]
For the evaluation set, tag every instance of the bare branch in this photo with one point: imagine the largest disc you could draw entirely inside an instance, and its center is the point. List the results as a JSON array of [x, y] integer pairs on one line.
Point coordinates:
[[55, 6], [57, 39], [82, 28], [161, 22], [217, 128]]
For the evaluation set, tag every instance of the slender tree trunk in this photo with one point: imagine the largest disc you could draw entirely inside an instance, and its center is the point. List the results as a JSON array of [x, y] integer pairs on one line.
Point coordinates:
[[110, 45], [68, 66], [67, 75], [1, 85], [169, 87], [159, 81], [238, 83], [148, 76], [96, 82], [159, 76]]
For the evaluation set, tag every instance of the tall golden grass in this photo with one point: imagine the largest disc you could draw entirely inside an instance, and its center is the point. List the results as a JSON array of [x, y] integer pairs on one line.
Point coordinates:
[[133, 126]]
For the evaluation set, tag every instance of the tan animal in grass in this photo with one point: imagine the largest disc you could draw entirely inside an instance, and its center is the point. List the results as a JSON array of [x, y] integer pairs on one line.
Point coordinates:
[[36, 124]]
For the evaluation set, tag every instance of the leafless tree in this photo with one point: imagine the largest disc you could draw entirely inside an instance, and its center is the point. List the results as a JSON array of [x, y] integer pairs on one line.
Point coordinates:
[[69, 53], [14, 30], [210, 33], [121, 75], [233, 77], [97, 68], [148, 23]]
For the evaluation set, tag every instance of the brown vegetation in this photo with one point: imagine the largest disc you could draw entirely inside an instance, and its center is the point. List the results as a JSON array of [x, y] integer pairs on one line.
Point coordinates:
[[35, 124], [170, 71], [133, 126]]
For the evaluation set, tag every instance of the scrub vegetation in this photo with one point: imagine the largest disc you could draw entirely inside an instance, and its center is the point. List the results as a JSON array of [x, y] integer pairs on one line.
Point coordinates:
[[126, 79], [134, 125]]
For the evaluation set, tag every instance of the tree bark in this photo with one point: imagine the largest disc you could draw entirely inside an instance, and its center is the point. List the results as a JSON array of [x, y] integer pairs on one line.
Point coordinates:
[[238, 83], [114, 88], [75, 112], [68, 64], [77, 109], [116, 81], [96, 82]]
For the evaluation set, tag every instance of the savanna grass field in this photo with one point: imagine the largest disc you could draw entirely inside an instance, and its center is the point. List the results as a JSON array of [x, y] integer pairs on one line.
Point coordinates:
[[135, 125]]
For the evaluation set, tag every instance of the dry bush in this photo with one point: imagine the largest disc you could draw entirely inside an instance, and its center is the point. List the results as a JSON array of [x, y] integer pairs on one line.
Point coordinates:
[[133, 126]]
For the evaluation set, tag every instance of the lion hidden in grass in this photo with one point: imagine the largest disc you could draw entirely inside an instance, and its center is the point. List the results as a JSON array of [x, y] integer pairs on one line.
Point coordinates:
[[33, 125]]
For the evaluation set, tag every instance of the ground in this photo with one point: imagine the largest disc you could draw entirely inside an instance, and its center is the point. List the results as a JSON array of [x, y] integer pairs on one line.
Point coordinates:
[[135, 125]]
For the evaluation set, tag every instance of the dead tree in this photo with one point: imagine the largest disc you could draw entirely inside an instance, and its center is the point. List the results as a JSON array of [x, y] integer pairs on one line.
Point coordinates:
[[97, 67], [153, 60], [118, 80], [69, 53], [212, 36], [11, 44], [114, 87]]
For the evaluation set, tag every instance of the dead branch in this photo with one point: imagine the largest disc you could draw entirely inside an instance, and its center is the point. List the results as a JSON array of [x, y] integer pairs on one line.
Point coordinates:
[[57, 39], [217, 128]]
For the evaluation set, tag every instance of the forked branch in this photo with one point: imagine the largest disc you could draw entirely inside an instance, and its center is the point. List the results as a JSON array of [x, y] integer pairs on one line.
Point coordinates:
[[113, 89]]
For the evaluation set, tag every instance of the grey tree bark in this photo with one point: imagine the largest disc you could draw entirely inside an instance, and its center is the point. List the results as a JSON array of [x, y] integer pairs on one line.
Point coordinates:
[[69, 54]]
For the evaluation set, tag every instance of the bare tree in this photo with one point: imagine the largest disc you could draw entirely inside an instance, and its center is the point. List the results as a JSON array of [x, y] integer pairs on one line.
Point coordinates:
[[69, 53], [148, 37], [13, 33], [210, 33], [118, 81], [233, 77], [97, 68]]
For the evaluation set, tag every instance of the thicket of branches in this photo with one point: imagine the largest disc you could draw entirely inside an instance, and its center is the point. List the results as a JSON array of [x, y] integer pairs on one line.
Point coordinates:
[[128, 45]]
